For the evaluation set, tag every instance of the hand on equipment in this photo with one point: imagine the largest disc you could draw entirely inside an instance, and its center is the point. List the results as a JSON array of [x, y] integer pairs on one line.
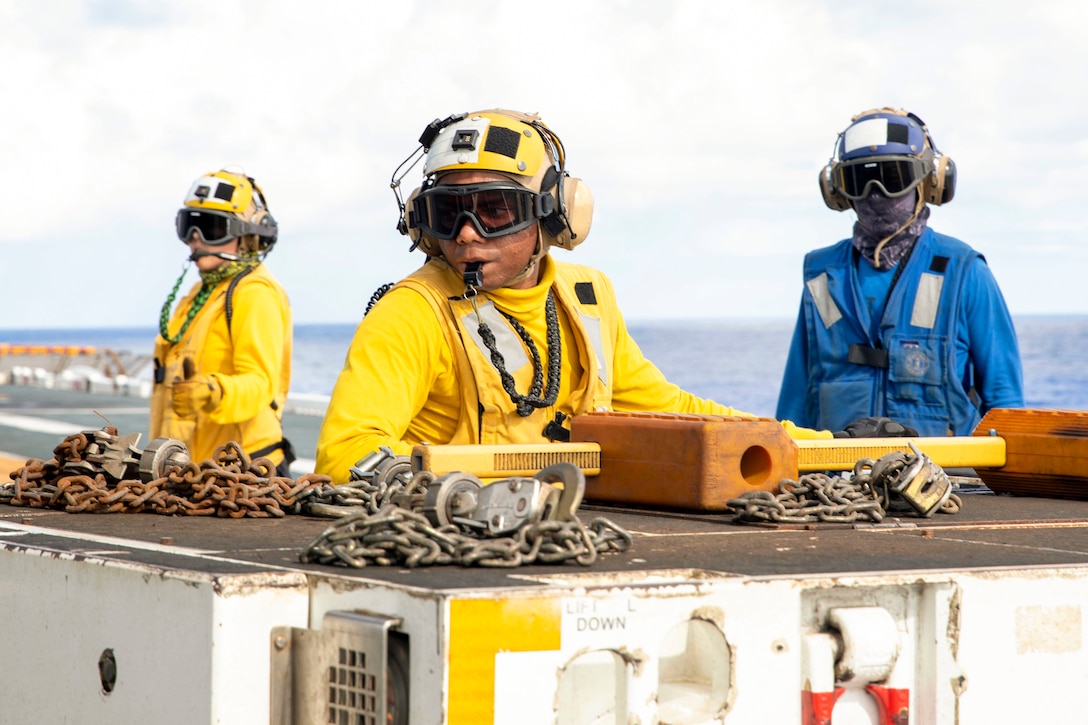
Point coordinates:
[[199, 392], [876, 427]]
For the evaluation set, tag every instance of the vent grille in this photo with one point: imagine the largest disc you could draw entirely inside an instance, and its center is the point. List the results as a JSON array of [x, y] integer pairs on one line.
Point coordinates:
[[353, 690], [536, 460]]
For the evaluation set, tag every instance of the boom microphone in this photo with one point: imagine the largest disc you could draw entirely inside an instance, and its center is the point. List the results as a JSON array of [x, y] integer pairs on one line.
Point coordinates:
[[222, 255]]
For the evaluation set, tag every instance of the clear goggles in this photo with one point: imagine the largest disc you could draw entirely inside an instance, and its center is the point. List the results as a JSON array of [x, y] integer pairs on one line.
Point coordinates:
[[495, 208], [216, 227], [893, 175]]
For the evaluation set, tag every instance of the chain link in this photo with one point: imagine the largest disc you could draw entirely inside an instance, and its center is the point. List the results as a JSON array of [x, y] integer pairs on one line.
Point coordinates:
[[378, 513], [397, 536], [375, 482], [94, 471], [388, 528], [873, 490]]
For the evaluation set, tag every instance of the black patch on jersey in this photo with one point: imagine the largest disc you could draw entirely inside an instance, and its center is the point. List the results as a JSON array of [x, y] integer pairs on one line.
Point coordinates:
[[585, 292]]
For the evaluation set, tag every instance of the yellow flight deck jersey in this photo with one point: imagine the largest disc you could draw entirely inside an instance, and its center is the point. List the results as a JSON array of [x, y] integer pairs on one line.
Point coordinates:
[[251, 361], [418, 372]]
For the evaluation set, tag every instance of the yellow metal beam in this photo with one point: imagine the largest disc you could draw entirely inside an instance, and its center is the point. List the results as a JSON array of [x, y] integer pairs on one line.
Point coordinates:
[[505, 461], [840, 454]]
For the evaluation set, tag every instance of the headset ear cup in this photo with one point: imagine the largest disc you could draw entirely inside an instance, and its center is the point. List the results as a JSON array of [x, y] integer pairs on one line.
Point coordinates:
[[578, 203], [269, 230], [832, 196], [944, 181], [264, 239], [933, 185], [408, 226]]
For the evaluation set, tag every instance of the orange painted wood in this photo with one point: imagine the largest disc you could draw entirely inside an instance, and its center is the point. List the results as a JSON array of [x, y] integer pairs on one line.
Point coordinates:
[[1046, 452], [684, 461]]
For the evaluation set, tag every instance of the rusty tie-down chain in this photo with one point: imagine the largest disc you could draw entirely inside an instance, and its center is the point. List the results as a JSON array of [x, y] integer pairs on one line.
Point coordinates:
[[95, 471], [381, 522], [897, 482]]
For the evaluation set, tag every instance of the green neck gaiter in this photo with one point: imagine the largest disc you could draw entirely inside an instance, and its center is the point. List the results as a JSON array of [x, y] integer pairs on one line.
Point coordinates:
[[209, 280]]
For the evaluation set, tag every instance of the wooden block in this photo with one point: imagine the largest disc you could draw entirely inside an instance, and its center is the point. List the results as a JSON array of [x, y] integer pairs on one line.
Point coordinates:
[[681, 461], [1046, 452]]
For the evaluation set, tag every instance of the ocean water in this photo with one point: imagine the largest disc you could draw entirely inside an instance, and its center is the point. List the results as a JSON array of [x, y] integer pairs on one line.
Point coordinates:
[[735, 362]]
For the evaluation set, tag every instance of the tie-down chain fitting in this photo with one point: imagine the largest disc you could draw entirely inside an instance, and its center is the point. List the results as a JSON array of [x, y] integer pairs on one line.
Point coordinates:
[[461, 499]]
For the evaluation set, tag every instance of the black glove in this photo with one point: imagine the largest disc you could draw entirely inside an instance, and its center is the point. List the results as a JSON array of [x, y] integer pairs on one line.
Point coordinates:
[[876, 428]]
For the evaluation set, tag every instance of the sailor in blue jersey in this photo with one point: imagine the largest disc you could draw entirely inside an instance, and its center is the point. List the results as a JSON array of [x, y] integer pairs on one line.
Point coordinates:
[[897, 321]]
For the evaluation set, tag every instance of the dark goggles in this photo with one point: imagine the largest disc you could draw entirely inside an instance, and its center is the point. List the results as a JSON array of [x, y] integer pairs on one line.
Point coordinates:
[[496, 208], [894, 175], [215, 227]]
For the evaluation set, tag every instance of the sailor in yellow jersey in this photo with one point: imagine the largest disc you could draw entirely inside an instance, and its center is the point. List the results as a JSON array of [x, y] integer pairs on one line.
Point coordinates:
[[492, 340], [223, 360]]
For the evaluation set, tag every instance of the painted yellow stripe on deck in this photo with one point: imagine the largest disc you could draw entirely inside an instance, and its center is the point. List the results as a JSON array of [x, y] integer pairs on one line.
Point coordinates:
[[9, 463], [479, 630]]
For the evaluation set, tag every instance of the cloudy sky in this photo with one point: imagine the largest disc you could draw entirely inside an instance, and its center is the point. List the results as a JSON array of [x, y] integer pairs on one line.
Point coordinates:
[[701, 128]]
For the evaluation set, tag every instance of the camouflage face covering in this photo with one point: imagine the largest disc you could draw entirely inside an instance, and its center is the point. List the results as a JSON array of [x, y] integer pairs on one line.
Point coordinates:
[[216, 275], [878, 217], [209, 280]]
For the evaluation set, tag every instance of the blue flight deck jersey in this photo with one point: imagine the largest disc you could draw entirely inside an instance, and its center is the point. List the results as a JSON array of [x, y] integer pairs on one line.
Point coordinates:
[[935, 354]]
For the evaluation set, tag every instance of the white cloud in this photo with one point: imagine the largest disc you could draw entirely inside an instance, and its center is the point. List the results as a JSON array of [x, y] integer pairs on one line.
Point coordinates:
[[699, 126]]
